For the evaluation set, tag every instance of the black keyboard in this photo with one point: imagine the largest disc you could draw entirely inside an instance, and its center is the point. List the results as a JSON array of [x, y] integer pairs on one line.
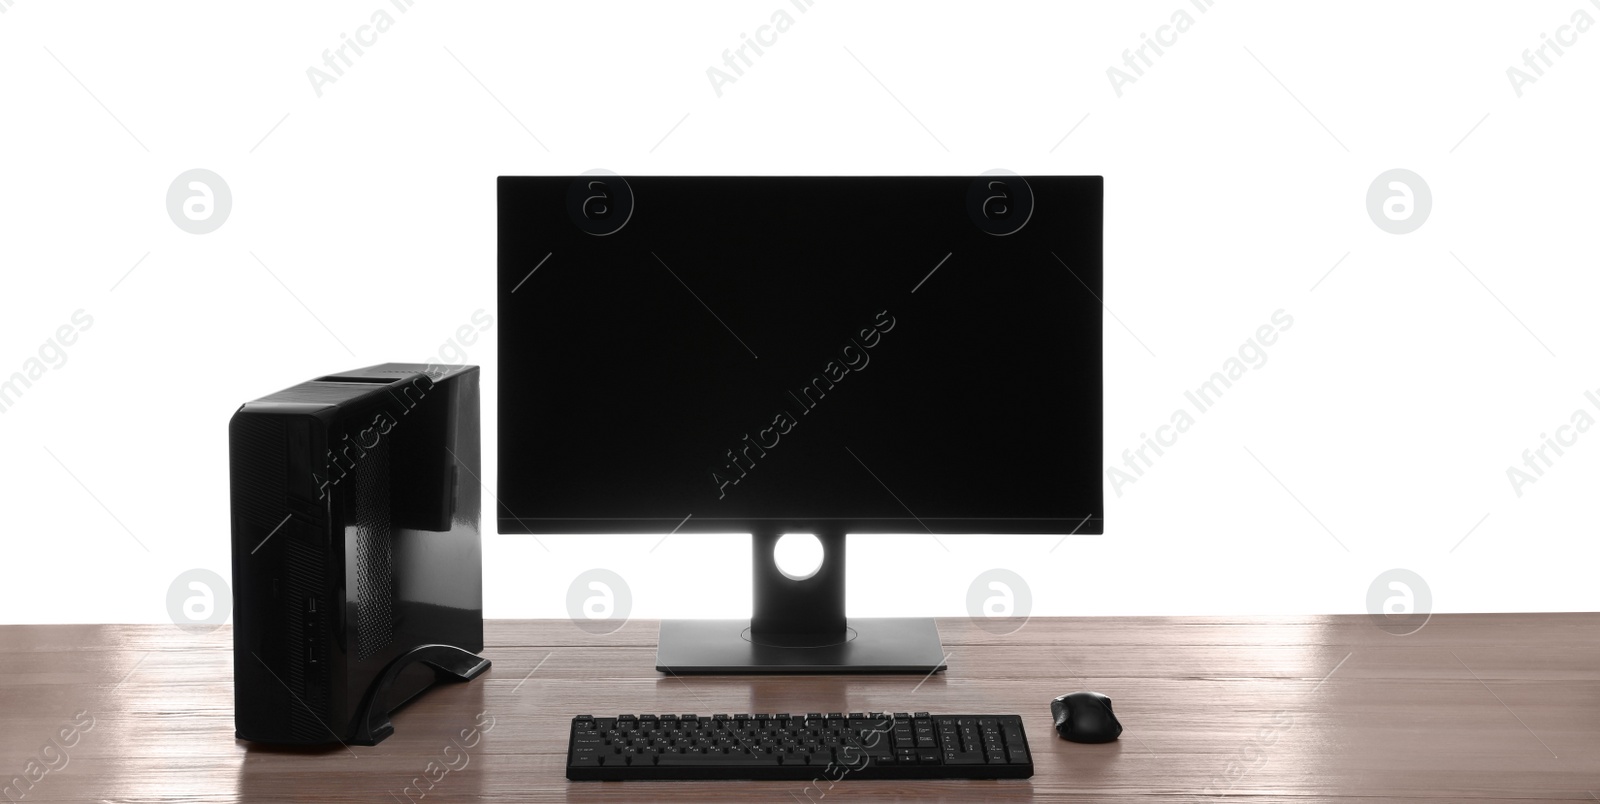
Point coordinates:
[[834, 747]]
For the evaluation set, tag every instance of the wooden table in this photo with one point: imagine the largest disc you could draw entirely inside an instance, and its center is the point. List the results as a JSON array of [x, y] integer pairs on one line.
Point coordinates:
[[1494, 707]]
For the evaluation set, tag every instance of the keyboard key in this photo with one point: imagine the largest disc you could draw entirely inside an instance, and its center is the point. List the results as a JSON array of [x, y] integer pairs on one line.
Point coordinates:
[[963, 757]]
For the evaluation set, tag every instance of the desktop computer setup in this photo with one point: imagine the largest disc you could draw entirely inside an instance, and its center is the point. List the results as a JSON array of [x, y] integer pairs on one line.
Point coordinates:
[[832, 356]]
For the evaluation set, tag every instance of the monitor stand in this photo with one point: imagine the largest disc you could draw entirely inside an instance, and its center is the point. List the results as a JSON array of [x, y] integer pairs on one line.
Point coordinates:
[[800, 627]]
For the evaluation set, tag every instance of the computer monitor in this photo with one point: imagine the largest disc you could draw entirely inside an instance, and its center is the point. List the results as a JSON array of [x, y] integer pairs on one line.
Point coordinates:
[[835, 356]]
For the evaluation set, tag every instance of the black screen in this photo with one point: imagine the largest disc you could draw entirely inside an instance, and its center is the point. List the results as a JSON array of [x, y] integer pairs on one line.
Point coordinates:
[[870, 354]]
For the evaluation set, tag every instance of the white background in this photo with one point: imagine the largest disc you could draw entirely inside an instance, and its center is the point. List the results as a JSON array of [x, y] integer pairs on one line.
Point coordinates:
[[1237, 168]]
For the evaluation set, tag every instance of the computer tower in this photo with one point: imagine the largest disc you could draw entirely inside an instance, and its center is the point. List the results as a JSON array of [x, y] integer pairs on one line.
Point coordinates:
[[357, 554]]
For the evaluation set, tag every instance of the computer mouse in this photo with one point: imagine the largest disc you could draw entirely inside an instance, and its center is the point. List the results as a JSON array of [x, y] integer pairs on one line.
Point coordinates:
[[1085, 717]]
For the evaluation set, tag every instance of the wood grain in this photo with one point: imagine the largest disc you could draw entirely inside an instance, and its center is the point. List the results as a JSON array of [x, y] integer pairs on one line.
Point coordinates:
[[1482, 707]]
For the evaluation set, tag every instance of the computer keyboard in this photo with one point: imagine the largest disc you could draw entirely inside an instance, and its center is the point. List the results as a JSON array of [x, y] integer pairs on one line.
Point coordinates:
[[834, 747]]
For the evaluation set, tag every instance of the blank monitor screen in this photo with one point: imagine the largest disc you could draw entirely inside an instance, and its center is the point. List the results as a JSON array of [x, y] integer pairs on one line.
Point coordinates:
[[721, 354]]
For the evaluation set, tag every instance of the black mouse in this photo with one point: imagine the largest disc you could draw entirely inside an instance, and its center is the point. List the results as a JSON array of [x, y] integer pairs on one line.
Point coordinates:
[[1085, 717]]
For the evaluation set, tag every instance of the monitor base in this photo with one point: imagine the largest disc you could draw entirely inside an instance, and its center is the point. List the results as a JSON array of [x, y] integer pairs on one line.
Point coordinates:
[[870, 645]]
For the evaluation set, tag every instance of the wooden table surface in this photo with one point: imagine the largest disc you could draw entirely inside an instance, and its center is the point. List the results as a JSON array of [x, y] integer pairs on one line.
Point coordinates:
[[1493, 707]]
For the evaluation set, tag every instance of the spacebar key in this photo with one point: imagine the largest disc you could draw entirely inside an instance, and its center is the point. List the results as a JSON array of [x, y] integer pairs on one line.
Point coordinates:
[[740, 760]]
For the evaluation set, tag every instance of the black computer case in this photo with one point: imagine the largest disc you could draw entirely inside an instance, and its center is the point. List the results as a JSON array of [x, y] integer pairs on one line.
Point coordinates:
[[357, 554]]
